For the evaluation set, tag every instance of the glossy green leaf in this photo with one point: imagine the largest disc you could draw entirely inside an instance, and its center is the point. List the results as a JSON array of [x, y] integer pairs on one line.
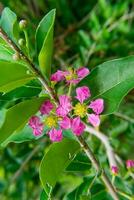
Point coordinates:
[[13, 75], [111, 81], [18, 115], [80, 163], [9, 23], [44, 42], [55, 162]]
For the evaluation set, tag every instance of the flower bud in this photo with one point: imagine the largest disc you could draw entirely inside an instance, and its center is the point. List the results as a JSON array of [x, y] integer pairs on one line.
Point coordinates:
[[21, 42], [130, 164], [23, 24], [16, 56], [114, 170]]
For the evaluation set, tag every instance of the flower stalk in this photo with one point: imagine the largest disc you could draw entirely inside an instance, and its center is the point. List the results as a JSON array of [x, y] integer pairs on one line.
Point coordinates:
[[52, 94]]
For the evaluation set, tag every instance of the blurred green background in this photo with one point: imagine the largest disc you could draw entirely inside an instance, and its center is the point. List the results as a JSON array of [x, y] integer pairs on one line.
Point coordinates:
[[87, 32]]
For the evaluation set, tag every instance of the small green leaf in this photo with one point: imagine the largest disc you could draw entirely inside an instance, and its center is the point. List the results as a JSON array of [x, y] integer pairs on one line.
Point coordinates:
[[9, 23], [18, 115], [55, 162], [111, 81], [44, 196], [13, 75], [44, 42]]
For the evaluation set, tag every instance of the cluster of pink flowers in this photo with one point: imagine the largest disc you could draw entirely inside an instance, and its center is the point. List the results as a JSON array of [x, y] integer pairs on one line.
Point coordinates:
[[66, 115], [129, 166]]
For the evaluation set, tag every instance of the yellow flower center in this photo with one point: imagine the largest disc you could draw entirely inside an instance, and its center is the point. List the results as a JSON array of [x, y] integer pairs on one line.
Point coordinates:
[[80, 110], [72, 75], [51, 121]]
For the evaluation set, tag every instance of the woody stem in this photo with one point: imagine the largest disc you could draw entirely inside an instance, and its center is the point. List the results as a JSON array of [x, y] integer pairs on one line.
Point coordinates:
[[52, 94]]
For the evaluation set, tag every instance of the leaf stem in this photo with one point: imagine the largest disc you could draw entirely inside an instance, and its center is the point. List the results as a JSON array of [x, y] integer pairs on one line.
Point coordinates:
[[51, 92]]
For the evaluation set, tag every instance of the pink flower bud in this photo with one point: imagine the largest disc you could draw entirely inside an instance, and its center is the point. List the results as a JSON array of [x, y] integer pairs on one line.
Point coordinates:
[[130, 164], [114, 170], [97, 106], [94, 120], [83, 93], [55, 135]]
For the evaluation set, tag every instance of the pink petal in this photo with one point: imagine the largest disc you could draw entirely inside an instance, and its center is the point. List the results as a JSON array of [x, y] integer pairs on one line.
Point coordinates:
[[97, 106], [83, 93], [57, 76], [82, 72], [34, 121], [65, 123], [65, 106], [61, 111], [46, 107], [94, 120], [77, 126], [55, 135], [38, 130]]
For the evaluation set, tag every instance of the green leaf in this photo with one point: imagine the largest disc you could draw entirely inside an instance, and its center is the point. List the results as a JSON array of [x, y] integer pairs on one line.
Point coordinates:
[[81, 190], [18, 115], [80, 163], [44, 42], [111, 81], [13, 75], [55, 162], [9, 23], [44, 196]]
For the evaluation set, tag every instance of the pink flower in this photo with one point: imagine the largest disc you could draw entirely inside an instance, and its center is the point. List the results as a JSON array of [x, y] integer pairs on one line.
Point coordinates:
[[83, 93], [64, 106], [36, 125], [94, 120], [46, 107], [82, 72], [77, 126], [130, 163], [114, 170], [65, 123], [97, 106], [58, 76], [55, 135]]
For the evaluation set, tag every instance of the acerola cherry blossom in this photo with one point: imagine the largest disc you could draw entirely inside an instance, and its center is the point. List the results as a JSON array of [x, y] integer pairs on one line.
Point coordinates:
[[55, 135], [65, 115], [94, 119], [36, 125], [64, 106], [46, 107], [114, 170], [71, 76], [130, 164], [83, 93], [97, 106]]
